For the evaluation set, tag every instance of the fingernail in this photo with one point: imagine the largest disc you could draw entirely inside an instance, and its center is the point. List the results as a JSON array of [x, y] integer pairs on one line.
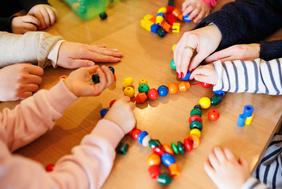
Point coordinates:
[[178, 75], [182, 75], [91, 63]]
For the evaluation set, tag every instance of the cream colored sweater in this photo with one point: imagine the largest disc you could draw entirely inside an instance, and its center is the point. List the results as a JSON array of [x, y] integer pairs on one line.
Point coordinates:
[[32, 47]]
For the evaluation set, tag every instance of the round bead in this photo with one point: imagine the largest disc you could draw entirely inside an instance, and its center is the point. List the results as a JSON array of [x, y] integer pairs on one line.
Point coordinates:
[[161, 32], [154, 171], [188, 144], [135, 133], [173, 47], [241, 120], [153, 94], [195, 132], [219, 93], [140, 98], [213, 115], [195, 118], [142, 136], [196, 111], [128, 81], [167, 159], [162, 10], [159, 150], [129, 91], [172, 65], [173, 88], [103, 15], [197, 125], [168, 149], [186, 19], [164, 179], [146, 140], [122, 148], [103, 112], [206, 85], [153, 143], [163, 90], [198, 106], [186, 77], [153, 159], [49, 167], [143, 81], [112, 102], [180, 147], [95, 78], [248, 110], [183, 86], [196, 141], [112, 69], [174, 148], [174, 170], [215, 100], [143, 88], [205, 102]]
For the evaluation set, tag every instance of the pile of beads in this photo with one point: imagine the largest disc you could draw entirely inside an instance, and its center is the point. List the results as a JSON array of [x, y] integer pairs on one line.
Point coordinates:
[[246, 117]]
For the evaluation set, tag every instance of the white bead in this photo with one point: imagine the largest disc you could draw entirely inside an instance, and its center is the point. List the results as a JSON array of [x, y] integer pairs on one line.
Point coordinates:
[[145, 141]]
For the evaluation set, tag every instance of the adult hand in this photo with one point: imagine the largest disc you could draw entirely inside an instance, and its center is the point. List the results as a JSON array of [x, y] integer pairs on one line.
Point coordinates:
[[22, 24]]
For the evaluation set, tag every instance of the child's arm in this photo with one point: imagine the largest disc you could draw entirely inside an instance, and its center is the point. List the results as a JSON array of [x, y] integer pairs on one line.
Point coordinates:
[[253, 183], [28, 4]]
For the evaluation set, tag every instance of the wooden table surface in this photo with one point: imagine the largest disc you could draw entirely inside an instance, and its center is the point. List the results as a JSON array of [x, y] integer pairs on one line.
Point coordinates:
[[147, 56]]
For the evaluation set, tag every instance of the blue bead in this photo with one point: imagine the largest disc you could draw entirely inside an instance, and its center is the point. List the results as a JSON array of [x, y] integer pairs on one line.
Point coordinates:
[[141, 136], [160, 14], [219, 93], [167, 159], [186, 77], [241, 120], [154, 28], [103, 112], [186, 19], [163, 90], [248, 110]]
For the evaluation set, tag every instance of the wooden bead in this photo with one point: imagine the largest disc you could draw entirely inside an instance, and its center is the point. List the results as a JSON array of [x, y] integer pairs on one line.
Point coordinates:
[[195, 118], [140, 98], [241, 120], [103, 15], [143, 88], [153, 143], [164, 179], [95, 78], [173, 88], [186, 19], [248, 110], [153, 94], [159, 150], [215, 100], [188, 144], [153, 159], [186, 77], [122, 148], [135, 133], [195, 132], [162, 10], [49, 167], [196, 141], [163, 90], [184, 86], [206, 85], [174, 170], [197, 125], [172, 65], [219, 93], [249, 120], [154, 171], [103, 112], [128, 81], [143, 81], [167, 159], [205, 102], [175, 27], [146, 140], [129, 91], [213, 115], [173, 47], [174, 148], [161, 32], [180, 148], [196, 111], [168, 149], [142, 136]]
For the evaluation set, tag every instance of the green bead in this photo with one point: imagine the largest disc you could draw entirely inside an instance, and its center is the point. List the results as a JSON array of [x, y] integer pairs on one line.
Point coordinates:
[[153, 143], [95, 78], [143, 88], [174, 148], [161, 32], [215, 100], [122, 148], [164, 179], [180, 147], [196, 124], [172, 65], [196, 111]]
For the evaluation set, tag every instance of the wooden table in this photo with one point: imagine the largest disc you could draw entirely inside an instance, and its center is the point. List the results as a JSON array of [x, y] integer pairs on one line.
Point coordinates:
[[147, 56]]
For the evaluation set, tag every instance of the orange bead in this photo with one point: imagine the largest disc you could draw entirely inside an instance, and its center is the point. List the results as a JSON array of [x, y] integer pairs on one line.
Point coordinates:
[[168, 149], [173, 88], [153, 159], [183, 86], [174, 170], [196, 141]]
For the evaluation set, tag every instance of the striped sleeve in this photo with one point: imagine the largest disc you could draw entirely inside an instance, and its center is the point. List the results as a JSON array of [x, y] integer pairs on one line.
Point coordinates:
[[257, 76], [253, 183]]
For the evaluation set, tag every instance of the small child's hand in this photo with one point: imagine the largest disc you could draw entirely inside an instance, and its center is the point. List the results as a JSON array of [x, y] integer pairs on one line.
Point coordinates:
[[22, 24], [206, 74], [197, 9], [121, 113], [74, 55], [79, 82], [19, 81], [45, 14], [236, 52]]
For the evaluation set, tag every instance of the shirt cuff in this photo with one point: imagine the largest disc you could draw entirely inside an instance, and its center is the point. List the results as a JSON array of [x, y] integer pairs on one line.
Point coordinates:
[[253, 183], [53, 55]]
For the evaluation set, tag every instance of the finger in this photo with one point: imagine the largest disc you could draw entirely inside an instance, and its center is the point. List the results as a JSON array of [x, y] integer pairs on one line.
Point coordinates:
[[213, 160], [29, 88], [194, 13], [35, 70], [92, 69], [220, 54], [77, 63], [219, 154], [24, 95], [188, 11], [229, 58], [102, 58], [203, 78], [185, 5], [186, 57], [200, 16], [52, 15], [229, 155], [35, 79], [40, 17], [197, 71], [32, 20], [109, 75], [209, 170], [98, 88], [29, 27], [105, 51], [197, 59], [45, 15]]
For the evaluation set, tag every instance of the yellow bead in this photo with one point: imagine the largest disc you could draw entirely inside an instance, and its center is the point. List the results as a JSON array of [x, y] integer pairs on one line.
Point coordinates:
[[174, 170], [128, 81], [153, 159], [168, 149], [146, 24], [148, 17], [129, 91], [159, 19], [195, 132], [176, 27], [249, 120], [143, 81], [205, 102], [173, 47], [162, 10]]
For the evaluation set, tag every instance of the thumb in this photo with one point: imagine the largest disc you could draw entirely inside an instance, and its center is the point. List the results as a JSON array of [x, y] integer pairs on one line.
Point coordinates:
[[199, 71], [198, 58], [203, 78]]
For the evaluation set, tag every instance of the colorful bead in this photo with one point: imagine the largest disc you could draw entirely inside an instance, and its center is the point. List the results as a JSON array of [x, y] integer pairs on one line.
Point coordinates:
[[195, 118], [129, 91], [95, 78], [128, 81], [167, 159], [205, 102], [183, 86], [154, 171], [188, 144], [174, 148], [162, 10], [103, 15], [166, 26], [143, 81], [153, 94], [196, 111], [173, 88], [249, 120], [180, 148], [219, 93], [103, 112], [140, 98], [197, 125], [174, 170], [49, 167], [112, 102], [122, 148], [172, 65], [161, 32], [195, 132], [215, 100], [186, 77], [241, 120], [186, 19], [163, 90], [135, 133], [248, 110], [206, 85], [164, 179], [213, 115], [154, 28], [153, 159], [153, 143], [143, 88], [142, 136], [168, 149], [173, 47], [196, 141], [159, 19], [146, 140], [175, 27], [198, 107], [159, 150]]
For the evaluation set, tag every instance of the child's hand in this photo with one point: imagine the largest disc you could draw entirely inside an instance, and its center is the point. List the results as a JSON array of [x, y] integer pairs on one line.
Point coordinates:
[[201, 43], [197, 10], [236, 52], [74, 55], [79, 82], [45, 14], [206, 74], [22, 24], [121, 113], [19, 81]]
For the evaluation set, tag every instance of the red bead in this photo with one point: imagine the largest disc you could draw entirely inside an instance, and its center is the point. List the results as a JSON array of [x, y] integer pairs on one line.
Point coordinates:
[[135, 133], [49, 167], [153, 94], [170, 9], [159, 150], [206, 85], [188, 144], [154, 171], [112, 102], [213, 115], [170, 18], [140, 98], [195, 118]]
